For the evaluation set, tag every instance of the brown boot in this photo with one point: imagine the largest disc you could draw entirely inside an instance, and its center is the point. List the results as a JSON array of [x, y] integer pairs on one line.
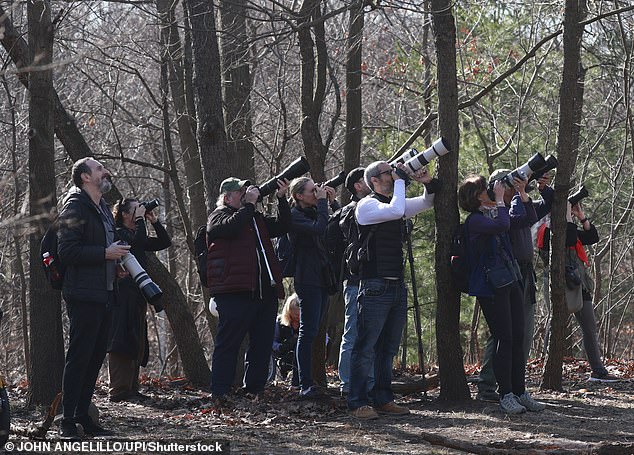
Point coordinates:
[[392, 408], [364, 413]]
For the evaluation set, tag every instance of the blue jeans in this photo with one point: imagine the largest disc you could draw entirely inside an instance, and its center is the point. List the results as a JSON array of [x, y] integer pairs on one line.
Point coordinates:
[[348, 338], [312, 302], [381, 318], [240, 314]]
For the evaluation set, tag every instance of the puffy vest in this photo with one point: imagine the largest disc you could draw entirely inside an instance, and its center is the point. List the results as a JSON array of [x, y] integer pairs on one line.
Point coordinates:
[[386, 248], [232, 264]]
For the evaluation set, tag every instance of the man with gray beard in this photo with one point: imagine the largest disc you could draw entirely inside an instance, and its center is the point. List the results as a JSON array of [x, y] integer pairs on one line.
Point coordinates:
[[86, 246]]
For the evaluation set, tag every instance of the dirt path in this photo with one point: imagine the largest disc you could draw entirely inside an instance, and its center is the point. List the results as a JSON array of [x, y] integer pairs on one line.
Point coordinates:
[[577, 421]]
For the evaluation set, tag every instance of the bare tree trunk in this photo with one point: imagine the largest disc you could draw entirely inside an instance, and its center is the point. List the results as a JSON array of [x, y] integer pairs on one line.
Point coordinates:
[[453, 383], [567, 141], [47, 346], [212, 140], [237, 85]]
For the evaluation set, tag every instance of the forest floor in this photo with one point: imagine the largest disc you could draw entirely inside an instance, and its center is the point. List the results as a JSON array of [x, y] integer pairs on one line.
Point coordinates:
[[588, 417]]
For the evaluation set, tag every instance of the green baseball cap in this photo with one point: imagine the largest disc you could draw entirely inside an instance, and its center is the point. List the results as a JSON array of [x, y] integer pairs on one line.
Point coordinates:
[[499, 174], [233, 184]]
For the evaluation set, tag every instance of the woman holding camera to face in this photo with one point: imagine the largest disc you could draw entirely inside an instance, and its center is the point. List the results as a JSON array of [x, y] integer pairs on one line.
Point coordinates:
[[494, 281], [312, 272], [128, 345], [581, 290]]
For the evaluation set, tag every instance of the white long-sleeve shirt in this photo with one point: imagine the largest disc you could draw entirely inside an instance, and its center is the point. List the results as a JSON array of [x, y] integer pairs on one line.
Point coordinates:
[[372, 211]]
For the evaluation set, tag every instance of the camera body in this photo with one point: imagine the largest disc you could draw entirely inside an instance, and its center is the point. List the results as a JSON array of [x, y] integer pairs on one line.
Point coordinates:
[[296, 169], [578, 195], [150, 205], [150, 290]]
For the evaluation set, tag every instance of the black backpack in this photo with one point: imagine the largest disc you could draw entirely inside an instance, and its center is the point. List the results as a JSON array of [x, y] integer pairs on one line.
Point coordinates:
[[53, 266], [459, 262], [285, 252], [200, 250], [357, 252]]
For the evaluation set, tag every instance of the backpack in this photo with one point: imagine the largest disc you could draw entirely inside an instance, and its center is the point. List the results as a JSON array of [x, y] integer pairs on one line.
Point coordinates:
[[459, 263], [356, 253], [335, 243], [285, 251], [200, 250], [53, 266]]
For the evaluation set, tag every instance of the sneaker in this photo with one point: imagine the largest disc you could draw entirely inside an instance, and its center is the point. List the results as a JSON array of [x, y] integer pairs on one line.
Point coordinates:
[[603, 377], [313, 392], [529, 403], [392, 408], [488, 395], [364, 413], [510, 405], [93, 429], [68, 431]]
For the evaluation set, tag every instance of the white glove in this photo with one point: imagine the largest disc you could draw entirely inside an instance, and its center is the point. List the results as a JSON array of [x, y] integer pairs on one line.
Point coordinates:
[[212, 308]]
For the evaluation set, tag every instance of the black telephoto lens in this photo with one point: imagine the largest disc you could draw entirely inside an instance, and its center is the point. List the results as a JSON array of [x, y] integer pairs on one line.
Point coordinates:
[[578, 195], [296, 169], [336, 180]]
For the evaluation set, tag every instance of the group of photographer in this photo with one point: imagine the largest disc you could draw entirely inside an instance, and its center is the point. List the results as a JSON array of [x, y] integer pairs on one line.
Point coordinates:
[[105, 305]]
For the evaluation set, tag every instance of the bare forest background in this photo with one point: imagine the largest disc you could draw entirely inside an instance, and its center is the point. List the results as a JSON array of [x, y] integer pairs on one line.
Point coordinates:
[[174, 96]]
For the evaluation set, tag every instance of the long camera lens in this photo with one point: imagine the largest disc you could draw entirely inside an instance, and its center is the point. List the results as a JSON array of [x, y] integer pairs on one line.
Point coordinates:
[[149, 288], [438, 148], [336, 180], [296, 169], [526, 171], [578, 195]]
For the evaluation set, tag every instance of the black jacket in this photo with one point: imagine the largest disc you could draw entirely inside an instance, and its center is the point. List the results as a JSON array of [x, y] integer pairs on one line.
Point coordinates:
[[82, 247]]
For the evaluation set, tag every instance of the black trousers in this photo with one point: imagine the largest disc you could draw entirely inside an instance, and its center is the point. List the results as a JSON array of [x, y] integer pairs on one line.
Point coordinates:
[[88, 340]]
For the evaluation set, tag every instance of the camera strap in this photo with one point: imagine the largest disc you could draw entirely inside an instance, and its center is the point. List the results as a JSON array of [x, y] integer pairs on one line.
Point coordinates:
[[266, 260]]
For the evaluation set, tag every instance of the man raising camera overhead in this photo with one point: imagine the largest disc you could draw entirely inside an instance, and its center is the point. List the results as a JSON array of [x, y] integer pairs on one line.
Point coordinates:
[[245, 280], [382, 296]]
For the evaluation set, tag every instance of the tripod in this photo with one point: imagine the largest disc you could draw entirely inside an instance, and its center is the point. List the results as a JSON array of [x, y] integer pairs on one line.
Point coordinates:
[[409, 226]]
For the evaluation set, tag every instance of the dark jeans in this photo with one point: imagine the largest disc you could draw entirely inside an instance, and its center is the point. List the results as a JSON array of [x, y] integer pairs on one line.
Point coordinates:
[[380, 322], [313, 301], [240, 314], [88, 340], [504, 314]]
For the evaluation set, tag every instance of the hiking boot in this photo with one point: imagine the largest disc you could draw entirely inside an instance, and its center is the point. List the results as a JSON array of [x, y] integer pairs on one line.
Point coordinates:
[[312, 393], [91, 428], [68, 431], [510, 405], [603, 377], [364, 413], [529, 403], [488, 395], [392, 408]]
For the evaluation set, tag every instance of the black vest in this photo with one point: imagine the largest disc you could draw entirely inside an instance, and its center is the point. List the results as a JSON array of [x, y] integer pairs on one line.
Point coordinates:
[[385, 246]]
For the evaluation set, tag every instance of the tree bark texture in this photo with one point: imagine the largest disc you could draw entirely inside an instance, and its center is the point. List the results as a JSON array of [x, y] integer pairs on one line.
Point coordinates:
[[237, 85], [210, 132], [567, 142], [453, 384], [47, 344]]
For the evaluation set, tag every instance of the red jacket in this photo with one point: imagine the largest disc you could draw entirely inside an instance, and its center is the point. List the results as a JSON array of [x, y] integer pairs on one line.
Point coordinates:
[[232, 258]]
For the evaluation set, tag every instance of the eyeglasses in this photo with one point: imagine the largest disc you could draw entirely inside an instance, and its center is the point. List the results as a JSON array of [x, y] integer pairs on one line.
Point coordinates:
[[389, 171]]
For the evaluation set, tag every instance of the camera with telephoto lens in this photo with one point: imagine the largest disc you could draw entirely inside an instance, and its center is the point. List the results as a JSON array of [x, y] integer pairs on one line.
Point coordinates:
[[150, 205], [536, 163], [578, 195], [337, 180], [551, 163], [149, 288], [296, 169], [414, 160]]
